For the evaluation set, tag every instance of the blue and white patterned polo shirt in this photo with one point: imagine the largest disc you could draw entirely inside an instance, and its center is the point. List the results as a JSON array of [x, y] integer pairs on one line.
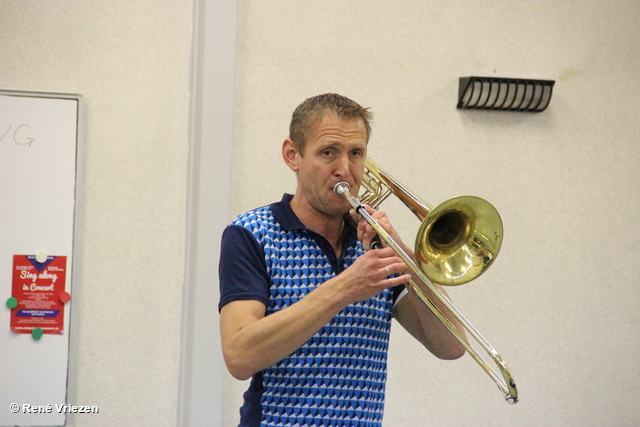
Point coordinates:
[[338, 377]]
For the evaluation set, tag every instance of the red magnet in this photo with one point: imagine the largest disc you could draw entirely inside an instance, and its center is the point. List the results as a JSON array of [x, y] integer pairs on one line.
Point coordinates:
[[64, 297]]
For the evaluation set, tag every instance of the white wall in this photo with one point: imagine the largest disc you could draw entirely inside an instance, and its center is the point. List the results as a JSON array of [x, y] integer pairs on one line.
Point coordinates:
[[560, 302], [130, 60]]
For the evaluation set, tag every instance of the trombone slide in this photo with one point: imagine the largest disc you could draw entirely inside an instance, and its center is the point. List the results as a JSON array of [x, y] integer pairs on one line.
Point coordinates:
[[506, 384]]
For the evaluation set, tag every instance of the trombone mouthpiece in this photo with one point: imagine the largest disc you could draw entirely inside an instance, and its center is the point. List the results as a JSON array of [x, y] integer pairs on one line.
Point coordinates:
[[340, 189]]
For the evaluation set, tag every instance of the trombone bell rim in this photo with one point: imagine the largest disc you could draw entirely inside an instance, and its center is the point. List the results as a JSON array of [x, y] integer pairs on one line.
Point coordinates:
[[458, 240]]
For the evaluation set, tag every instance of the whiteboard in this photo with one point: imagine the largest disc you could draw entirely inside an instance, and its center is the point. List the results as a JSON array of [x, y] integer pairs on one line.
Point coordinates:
[[39, 146]]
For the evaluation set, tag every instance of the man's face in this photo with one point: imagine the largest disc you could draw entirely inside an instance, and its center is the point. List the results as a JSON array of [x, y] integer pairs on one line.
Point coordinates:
[[335, 151]]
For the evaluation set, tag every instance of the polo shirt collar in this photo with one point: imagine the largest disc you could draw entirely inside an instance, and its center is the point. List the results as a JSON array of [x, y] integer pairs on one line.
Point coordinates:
[[289, 221], [284, 214]]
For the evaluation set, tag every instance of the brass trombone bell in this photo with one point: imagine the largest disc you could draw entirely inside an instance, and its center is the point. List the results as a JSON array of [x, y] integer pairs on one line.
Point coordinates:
[[458, 239]]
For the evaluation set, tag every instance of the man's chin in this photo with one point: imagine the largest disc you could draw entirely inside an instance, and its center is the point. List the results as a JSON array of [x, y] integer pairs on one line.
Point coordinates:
[[339, 209], [338, 206]]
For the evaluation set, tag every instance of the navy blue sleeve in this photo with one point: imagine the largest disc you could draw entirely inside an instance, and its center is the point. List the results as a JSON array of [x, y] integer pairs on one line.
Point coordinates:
[[242, 269]]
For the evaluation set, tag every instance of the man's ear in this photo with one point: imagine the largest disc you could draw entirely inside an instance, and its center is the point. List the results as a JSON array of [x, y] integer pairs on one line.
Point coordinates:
[[290, 154]]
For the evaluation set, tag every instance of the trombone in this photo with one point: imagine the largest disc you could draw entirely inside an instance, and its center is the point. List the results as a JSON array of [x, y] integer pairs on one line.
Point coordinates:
[[457, 241]]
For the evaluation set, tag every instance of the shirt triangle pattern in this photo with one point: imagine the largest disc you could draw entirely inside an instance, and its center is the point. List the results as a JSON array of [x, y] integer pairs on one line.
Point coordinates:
[[338, 377]]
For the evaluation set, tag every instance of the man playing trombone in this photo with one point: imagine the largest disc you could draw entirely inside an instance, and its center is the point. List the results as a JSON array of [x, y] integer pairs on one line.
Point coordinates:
[[305, 307]]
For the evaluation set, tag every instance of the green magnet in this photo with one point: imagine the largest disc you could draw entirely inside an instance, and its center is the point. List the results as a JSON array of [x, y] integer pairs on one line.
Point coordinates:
[[37, 333], [12, 303]]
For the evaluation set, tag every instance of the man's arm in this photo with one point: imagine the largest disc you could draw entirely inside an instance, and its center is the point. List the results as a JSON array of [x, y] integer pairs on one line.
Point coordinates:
[[252, 341], [424, 326]]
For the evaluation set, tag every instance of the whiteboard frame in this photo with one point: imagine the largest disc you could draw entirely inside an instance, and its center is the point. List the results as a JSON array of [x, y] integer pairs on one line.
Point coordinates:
[[77, 226]]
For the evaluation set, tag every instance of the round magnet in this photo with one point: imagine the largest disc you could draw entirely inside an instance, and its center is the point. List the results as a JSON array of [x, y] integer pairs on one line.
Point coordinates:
[[41, 257], [65, 297], [36, 333], [12, 303]]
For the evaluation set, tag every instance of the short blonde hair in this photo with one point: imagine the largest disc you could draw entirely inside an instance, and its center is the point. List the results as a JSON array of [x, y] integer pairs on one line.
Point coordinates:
[[311, 111]]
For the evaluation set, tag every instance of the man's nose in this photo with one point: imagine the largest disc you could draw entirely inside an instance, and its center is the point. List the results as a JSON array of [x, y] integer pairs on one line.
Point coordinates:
[[342, 166]]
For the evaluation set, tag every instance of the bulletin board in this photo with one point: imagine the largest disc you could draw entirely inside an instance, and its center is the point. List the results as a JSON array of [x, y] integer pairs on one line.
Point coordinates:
[[39, 197]]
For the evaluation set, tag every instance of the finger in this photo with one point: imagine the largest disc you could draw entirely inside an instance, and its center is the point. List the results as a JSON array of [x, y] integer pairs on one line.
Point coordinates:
[[376, 214], [389, 273], [391, 257], [356, 217], [362, 227], [396, 267], [369, 237], [366, 235], [367, 231], [369, 209], [397, 280]]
